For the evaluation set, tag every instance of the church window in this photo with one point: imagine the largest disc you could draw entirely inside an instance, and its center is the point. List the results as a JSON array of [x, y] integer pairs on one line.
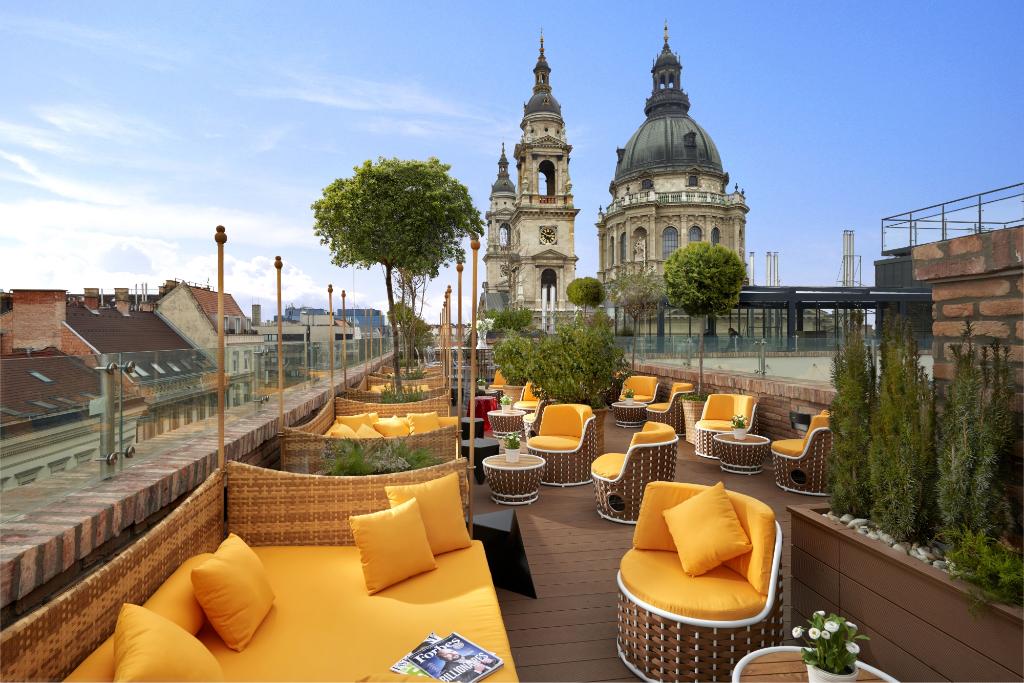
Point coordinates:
[[691, 181], [622, 248], [547, 169], [669, 241], [504, 234], [716, 235], [696, 234], [611, 250], [647, 184]]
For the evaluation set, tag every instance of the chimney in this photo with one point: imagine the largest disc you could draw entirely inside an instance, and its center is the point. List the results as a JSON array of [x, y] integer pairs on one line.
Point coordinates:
[[38, 318], [750, 270], [167, 286], [121, 300], [92, 298], [257, 311]]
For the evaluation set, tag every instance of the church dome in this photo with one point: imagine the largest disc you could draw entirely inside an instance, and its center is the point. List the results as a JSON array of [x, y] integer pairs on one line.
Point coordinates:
[[665, 142], [542, 102], [503, 185]]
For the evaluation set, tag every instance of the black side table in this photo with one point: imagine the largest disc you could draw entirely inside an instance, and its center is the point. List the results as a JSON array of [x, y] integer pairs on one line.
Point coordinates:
[[484, 448], [506, 556], [464, 428]]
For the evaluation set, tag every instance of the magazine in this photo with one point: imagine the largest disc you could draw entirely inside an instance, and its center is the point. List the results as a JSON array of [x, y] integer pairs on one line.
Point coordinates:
[[454, 659], [407, 668]]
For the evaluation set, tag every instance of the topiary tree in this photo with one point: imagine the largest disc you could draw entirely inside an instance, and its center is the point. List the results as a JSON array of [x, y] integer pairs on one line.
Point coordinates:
[[704, 280], [853, 376], [400, 215], [977, 430], [578, 363], [585, 292], [902, 452], [638, 293]]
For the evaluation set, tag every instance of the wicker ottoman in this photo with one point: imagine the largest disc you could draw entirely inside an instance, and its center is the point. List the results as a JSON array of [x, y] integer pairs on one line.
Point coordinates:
[[703, 442], [514, 483], [504, 423], [741, 457], [629, 414]]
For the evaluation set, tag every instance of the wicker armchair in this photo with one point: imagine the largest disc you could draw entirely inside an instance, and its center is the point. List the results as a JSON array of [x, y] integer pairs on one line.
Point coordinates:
[[658, 640], [529, 401], [499, 382], [620, 478], [567, 440], [671, 412], [645, 388], [531, 421], [801, 465], [717, 416]]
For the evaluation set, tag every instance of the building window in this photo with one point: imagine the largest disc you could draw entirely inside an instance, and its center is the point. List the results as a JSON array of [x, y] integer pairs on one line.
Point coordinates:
[[690, 139], [647, 184], [669, 241], [716, 235], [611, 250], [696, 234], [504, 235], [691, 181], [547, 169], [622, 248]]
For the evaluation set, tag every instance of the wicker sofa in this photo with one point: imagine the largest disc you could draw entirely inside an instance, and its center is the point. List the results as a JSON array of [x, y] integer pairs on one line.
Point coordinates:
[[323, 626]]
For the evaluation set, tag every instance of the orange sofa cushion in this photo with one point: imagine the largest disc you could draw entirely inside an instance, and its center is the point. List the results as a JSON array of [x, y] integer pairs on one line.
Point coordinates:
[[149, 647], [422, 423], [393, 545], [653, 432], [680, 388], [354, 421], [440, 505], [724, 406], [392, 426], [341, 431], [644, 387], [706, 530], [554, 443]]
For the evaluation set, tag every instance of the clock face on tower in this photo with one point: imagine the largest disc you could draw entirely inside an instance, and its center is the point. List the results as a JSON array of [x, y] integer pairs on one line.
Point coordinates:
[[548, 234]]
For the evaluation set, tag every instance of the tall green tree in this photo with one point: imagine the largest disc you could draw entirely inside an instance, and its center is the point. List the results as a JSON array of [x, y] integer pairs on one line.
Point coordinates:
[[704, 280], [853, 376], [638, 292], [585, 292], [398, 214], [902, 452]]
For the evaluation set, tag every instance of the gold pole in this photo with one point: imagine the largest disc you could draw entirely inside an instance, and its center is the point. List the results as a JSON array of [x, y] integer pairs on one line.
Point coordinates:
[[448, 341], [366, 354], [344, 343], [280, 349], [458, 346], [475, 246], [330, 311], [220, 238]]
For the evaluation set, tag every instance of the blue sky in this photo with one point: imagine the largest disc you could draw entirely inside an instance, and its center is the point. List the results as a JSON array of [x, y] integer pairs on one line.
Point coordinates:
[[129, 130]]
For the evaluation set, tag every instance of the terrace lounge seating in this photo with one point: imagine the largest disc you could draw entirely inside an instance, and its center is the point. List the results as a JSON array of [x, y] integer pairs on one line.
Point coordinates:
[[499, 382], [671, 412], [323, 624], [532, 421], [645, 388], [801, 465], [621, 478], [567, 440], [679, 626], [716, 418], [529, 401]]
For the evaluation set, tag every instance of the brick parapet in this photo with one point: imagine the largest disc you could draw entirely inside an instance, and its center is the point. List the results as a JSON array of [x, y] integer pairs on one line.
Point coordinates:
[[62, 536]]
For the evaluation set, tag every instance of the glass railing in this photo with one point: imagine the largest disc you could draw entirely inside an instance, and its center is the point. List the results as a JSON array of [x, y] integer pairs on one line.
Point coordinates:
[[800, 358], [67, 422]]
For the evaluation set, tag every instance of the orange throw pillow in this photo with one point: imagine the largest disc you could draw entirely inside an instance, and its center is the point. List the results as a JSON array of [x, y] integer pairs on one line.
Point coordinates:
[[392, 544], [706, 531]]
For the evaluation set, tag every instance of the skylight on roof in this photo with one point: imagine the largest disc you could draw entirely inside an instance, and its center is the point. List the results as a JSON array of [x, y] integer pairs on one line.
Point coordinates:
[[43, 404], [172, 366], [41, 377], [139, 371], [10, 411], [158, 369]]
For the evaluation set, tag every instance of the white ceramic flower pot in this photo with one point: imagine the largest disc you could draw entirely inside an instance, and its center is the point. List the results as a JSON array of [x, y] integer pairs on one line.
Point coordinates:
[[512, 454], [816, 675], [740, 434], [506, 408], [629, 401], [481, 342]]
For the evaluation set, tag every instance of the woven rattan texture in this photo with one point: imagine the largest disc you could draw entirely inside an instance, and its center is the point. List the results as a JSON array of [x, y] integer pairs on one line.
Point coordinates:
[[673, 416], [748, 456], [513, 485], [570, 468], [506, 424], [348, 406], [49, 643], [268, 507], [646, 463], [304, 453], [372, 396], [692, 411], [665, 649], [814, 465]]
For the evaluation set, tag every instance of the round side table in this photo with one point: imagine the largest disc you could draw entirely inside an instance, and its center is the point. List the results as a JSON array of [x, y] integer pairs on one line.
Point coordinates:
[[629, 414], [738, 456], [504, 423], [784, 663], [514, 483]]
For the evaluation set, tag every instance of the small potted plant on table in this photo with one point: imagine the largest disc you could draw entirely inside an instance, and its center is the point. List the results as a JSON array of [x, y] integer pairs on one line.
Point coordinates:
[[481, 386], [629, 394], [740, 427], [506, 404], [512, 448], [831, 652]]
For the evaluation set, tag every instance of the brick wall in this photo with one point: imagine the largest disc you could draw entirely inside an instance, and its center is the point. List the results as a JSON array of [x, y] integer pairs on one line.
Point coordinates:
[[776, 397], [72, 344], [40, 313]]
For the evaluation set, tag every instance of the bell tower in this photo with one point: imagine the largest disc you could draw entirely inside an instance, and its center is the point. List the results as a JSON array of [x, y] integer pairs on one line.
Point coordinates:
[[501, 259]]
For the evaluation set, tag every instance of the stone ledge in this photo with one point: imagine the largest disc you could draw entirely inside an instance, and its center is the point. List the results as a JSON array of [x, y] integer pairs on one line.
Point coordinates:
[[50, 542]]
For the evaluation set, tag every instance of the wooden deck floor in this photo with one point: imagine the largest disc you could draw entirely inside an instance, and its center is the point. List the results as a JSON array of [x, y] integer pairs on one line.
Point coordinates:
[[568, 632]]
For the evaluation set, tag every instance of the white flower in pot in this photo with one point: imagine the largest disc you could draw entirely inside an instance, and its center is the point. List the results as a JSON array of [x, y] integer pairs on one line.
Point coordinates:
[[506, 404], [512, 448], [740, 427], [831, 652], [629, 394], [483, 326]]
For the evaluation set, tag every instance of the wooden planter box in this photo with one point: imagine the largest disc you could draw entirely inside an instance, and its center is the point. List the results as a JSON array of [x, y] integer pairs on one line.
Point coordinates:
[[919, 620]]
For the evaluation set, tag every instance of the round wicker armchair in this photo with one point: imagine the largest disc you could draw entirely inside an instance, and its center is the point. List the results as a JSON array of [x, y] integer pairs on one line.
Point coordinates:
[[567, 440], [620, 478]]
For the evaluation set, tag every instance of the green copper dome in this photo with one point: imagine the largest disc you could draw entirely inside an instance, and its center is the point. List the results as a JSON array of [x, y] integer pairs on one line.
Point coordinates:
[[671, 140]]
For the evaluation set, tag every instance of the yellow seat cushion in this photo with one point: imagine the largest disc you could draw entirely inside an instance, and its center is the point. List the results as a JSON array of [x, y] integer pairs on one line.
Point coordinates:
[[440, 504], [392, 544], [793, 447], [499, 379], [564, 420], [680, 387], [643, 386], [528, 394], [526, 405], [368, 432], [341, 431], [656, 577], [173, 600], [149, 647], [553, 443], [660, 407], [653, 432], [354, 421], [422, 423], [724, 406], [716, 425], [445, 421], [233, 589], [609, 465], [325, 627], [706, 530], [392, 426]]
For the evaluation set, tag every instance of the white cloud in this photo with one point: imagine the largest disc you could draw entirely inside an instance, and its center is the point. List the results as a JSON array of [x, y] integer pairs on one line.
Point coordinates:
[[62, 187], [99, 122], [39, 139]]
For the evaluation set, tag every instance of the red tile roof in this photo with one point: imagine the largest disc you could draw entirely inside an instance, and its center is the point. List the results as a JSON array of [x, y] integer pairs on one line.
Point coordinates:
[[44, 383], [110, 332], [207, 300]]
